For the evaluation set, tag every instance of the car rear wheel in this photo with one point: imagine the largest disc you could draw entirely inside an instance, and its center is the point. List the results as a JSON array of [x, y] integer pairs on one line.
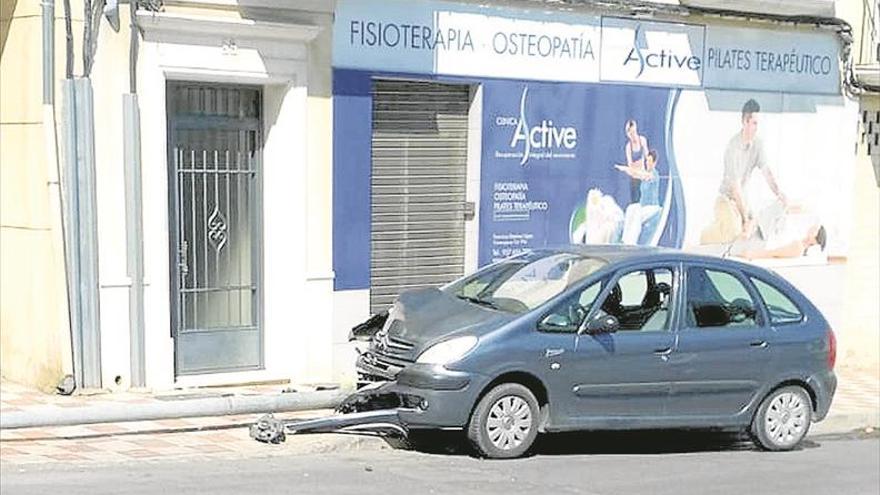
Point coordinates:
[[783, 419], [505, 422]]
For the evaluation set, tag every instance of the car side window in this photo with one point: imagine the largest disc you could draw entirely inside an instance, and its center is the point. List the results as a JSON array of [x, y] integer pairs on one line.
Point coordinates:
[[718, 299], [781, 308], [569, 315], [641, 300]]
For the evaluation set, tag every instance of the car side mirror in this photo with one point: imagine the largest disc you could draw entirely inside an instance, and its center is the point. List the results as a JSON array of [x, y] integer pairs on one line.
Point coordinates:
[[602, 323], [556, 323]]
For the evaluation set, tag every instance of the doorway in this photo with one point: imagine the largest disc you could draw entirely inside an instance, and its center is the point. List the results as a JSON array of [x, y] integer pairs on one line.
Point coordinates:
[[215, 226]]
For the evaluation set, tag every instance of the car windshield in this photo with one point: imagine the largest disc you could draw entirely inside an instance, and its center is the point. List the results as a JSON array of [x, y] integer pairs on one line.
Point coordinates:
[[523, 283]]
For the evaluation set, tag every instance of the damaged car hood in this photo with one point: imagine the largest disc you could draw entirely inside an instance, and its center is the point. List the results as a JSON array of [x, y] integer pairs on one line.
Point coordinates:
[[423, 317]]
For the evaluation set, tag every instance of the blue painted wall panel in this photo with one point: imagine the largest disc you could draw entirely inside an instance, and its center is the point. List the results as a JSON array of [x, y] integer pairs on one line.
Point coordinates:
[[352, 124]]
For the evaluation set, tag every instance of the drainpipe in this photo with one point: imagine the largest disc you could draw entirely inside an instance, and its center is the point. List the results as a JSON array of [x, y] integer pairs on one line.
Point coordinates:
[[68, 41], [70, 195], [134, 227], [81, 221], [53, 174], [82, 229], [48, 52]]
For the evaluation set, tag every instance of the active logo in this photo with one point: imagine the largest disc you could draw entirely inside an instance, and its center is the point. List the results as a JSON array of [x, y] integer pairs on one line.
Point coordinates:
[[544, 140], [665, 58]]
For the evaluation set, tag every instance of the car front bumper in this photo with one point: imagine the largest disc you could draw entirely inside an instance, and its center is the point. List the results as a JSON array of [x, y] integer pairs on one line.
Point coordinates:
[[429, 396]]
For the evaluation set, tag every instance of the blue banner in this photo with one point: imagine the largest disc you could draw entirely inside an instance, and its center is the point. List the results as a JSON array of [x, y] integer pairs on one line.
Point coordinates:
[[576, 163]]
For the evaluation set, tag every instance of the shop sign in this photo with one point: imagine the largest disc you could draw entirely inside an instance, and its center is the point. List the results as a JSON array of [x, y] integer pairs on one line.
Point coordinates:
[[760, 59], [656, 53], [456, 39], [463, 39]]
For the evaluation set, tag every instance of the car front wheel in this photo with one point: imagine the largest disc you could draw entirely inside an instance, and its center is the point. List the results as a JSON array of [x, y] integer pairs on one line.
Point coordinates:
[[783, 419], [505, 422]]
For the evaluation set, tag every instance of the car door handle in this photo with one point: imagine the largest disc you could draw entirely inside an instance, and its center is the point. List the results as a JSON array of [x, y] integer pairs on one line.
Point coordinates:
[[758, 343], [553, 352], [664, 351]]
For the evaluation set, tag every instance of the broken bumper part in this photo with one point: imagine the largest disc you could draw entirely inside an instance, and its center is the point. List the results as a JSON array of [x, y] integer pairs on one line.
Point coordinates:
[[269, 429], [422, 397], [370, 410]]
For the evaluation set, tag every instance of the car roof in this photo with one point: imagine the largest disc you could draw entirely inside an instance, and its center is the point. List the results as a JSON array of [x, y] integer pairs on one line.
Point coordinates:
[[617, 253]]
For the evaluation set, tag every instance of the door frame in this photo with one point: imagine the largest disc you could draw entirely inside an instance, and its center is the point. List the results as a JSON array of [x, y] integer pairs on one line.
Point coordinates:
[[295, 145]]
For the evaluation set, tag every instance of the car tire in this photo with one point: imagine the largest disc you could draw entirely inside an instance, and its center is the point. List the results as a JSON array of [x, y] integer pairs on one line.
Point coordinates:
[[505, 422], [783, 419]]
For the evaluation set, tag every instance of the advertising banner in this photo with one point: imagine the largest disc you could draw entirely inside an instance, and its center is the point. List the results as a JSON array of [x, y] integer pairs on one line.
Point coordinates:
[[575, 163], [762, 174], [720, 172]]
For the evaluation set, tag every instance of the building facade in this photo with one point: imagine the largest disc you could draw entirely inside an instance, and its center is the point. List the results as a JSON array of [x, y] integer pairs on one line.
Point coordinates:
[[530, 108], [234, 108], [302, 164]]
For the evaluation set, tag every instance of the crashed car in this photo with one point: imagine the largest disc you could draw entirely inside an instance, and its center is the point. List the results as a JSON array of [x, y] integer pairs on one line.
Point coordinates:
[[593, 337]]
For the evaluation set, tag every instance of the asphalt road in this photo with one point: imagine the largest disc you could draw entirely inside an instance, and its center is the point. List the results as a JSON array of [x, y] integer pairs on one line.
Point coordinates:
[[631, 463]]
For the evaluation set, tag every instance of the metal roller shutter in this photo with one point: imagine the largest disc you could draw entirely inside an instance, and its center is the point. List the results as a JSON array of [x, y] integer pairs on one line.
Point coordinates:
[[419, 162]]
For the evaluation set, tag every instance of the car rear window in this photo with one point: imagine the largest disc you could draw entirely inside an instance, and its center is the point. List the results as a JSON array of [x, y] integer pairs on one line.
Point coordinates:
[[718, 299], [781, 308]]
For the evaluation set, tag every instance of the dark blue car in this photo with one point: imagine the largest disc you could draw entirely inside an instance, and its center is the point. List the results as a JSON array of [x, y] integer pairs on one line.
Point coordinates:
[[605, 337]]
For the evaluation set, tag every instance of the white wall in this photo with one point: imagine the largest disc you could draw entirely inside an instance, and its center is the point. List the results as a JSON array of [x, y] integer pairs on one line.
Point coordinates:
[[350, 307], [110, 81], [474, 160]]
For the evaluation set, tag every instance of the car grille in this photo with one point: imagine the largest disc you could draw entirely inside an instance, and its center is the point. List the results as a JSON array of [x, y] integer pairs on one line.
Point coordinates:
[[393, 351], [399, 346], [387, 355], [388, 343]]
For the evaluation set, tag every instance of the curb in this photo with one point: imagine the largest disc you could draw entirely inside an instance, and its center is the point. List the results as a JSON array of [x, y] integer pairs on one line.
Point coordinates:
[[846, 423], [46, 416]]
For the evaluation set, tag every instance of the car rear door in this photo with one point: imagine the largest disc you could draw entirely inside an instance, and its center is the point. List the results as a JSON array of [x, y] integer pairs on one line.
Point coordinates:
[[723, 352]]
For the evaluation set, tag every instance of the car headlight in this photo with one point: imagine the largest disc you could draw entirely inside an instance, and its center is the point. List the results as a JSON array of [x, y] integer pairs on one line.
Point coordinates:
[[449, 351]]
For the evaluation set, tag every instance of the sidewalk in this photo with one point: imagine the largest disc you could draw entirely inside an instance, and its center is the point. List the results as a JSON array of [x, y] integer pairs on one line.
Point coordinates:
[[856, 402], [856, 406], [200, 437], [143, 442]]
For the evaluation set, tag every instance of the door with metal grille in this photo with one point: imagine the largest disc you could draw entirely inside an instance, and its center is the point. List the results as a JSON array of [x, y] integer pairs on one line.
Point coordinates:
[[419, 166], [215, 216]]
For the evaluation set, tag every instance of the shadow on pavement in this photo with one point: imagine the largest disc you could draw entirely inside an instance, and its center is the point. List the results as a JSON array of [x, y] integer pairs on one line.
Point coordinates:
[[640, 442], [643, 442]]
